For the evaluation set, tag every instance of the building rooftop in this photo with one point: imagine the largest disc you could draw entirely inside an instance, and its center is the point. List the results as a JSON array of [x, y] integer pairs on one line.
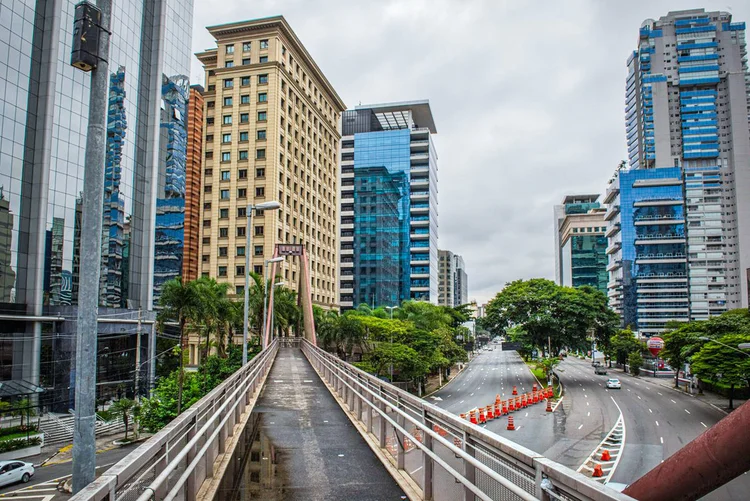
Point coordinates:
[[577, 199], [395, 115]]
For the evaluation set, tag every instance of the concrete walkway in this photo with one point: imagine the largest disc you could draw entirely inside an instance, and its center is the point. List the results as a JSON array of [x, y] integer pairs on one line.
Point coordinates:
[[303, 445]]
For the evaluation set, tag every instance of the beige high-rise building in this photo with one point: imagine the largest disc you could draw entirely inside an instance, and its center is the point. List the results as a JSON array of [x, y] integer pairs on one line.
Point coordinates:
[[271, 133]]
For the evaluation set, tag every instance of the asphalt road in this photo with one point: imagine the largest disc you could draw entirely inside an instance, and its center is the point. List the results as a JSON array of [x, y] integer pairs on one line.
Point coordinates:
[[43, 483]]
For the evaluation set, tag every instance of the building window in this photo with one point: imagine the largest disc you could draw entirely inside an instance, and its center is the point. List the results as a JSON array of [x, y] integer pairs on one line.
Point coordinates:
[[259, 212], [263, 79], [211, 87], [244, 118], [207, 188], [226, 138], [244, 137], [222, 271], [258, 231], [227, 119], [205, 258], [240, 231], [260, 154], [225, 194], [209, 138], [262, 116], [240, 270], [241, 250], [260, 172], [258, 269], [245, 81], [209, 155], [241, 211], [245, 99], [263, 59], [226, 156], [246, 46], [223, 232], [261, 134], [264, 44], [228, 83], [210, 104], [260, 191], [207, 206], [243, 154], [225, 175], [262, 97], [206, 223], [207, 240], [223, 252], [258, 250], [227, 101], [245, 62], [241, 192], [209, 120], [229, 64], [223, 213], [230, 49], [242, 174]]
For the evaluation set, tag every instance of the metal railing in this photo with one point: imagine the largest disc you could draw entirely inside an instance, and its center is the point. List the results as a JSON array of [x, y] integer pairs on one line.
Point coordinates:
[[449, 458], [174, 463]]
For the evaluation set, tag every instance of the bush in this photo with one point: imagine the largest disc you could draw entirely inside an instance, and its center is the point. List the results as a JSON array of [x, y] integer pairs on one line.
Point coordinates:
[[635, 360], [19, 443], [13, 430]]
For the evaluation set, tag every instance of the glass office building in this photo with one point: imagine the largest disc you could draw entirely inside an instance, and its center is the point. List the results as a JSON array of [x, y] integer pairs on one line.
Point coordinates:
[[388, 205], [42, 152]]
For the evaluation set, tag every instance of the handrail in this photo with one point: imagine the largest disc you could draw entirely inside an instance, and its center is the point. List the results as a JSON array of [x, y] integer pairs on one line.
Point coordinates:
[[191, 438], [493, 466]]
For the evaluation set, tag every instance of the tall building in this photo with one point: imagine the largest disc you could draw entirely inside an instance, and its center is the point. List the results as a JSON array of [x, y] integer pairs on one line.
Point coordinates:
[[271, 133], [460, 282], [388, 205], [45, 102], [581, 242], [446, 278], [193, 176], [686, 117]]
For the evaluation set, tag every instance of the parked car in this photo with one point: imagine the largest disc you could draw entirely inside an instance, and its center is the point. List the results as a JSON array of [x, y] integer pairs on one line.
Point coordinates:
[[595, 364], [614, 383], [15, 471], [600, 369]]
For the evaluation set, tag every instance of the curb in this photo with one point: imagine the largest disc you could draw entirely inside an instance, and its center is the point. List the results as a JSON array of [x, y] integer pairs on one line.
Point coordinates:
[[449, 382]]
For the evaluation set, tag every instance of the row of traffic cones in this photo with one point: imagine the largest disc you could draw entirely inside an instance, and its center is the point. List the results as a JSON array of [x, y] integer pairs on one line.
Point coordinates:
[[504, 407], [597, 467]]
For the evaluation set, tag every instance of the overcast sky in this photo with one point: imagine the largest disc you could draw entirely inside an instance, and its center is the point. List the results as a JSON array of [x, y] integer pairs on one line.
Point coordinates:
[[528, 99]]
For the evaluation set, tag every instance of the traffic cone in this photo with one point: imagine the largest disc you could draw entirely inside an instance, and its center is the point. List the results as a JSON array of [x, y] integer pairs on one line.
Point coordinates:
[[489, 413], [498, 411], [511, 405], [497, 399], [523, 400], [482, 418], [606, 456], [511, 426], [597, 471], [463, 416], [536, 397], [505, 407], [472, 418], [518, 403], [533, 388], [549, 405], [515, 391]]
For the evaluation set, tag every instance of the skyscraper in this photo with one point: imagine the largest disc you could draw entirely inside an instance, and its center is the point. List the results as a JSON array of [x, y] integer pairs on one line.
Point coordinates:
[[581, 242], [460, 282], [193, 176], [446, 278], [388, 205], [271, 133], [686, 235], [42, 154]]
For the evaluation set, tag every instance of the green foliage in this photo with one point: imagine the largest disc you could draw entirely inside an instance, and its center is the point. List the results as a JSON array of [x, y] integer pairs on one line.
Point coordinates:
[[720, 363], [18, 443], [123, 407], [547, 365], [622, 344], [681, 344], [635, 361], [563, 317]]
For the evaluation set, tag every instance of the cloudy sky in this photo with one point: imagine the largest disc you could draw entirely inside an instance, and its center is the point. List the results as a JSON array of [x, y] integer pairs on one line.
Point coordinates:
[[528, 98]]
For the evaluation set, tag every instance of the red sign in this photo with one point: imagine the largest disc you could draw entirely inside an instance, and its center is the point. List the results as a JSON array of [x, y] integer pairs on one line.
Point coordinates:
[[655, 345]]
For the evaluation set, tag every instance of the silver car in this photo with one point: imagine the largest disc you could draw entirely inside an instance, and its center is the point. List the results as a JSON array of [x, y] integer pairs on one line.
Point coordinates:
[[15, 471]]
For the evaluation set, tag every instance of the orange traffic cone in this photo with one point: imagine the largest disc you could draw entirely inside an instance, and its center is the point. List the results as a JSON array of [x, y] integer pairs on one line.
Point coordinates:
[[606, 456], [497, 398], [533, 388], [489, 413], [463, 416], [511, 405], [498, 411], [472, 418], [523, 400], [482, 418], [535, 397], [515, 391], [549, 405], [597, 471], [511, 426], [505, 407], [518, 402]]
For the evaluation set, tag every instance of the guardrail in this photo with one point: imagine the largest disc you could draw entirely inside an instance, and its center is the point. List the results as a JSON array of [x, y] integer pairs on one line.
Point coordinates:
[[174, 463], [449, 458]]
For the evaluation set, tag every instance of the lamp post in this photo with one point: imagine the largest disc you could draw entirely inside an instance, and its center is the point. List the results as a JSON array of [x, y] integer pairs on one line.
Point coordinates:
[[272, 205], [270, 306], [391, 308], [265, 294]]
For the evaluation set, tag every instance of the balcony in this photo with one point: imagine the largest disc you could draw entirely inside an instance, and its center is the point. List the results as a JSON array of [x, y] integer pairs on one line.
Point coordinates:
[[421, 182], [420, 156], [419, 236], [657, 220], [420, 208], [420, 195], [659, 238], [611, 193], [614, 247], [613, 230], [658, 202], [617, 263], [612, 211]]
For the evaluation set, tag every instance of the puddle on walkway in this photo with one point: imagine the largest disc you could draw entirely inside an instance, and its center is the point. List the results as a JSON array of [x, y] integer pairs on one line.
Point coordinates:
[[257, 470]]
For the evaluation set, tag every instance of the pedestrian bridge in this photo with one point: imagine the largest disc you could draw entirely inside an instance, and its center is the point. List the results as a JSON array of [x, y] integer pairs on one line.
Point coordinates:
[[298, 423]]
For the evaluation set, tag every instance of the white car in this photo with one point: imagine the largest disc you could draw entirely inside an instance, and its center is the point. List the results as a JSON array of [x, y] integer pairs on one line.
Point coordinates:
[[614, 383], [15, 471]]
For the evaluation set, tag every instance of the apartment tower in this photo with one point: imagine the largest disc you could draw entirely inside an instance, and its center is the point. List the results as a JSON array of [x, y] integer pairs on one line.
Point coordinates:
[[684, 248], [446, 278], [271, 133], [388, 205], [460, 281], [193, 178]]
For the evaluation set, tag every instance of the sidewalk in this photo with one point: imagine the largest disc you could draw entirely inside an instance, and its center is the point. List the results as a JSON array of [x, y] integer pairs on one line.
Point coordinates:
[[54, 455]]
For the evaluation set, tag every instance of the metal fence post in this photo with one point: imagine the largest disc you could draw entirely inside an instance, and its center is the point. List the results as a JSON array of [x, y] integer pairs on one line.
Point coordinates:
[[381, 428], [469, 469], [401, 450], [427, 461]]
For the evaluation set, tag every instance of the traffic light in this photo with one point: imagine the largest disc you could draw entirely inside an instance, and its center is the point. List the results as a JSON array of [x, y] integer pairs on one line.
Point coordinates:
[[86, 27]]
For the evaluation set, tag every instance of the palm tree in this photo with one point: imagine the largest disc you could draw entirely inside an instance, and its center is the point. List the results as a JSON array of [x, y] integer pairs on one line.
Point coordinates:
[[123, 407], [179, 302], [285, 310]]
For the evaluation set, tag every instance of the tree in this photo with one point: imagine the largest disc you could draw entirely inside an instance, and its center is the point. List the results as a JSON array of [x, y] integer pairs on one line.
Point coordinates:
[[718, 362], [622, 344], [681, 344], [123, 407], [635, 360]]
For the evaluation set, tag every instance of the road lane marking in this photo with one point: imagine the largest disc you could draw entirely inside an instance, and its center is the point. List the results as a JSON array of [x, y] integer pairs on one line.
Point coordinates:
[[587, 403], [585, 395], [527, 415], [661, 439], [704, 424], [673, 401], [651, 411], [588, 414], [449, 396], [462, 401], [658, 392], [687, 411], [657, 423], [580, 426], [639, 397], [471, 395]]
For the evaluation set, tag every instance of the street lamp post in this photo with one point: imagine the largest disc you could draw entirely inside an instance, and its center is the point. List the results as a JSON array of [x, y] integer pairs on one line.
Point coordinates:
[[391, 308], [265, 294], [272, 205]]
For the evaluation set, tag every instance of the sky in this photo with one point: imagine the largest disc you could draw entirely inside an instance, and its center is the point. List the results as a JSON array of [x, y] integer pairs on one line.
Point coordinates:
[[528, 99]]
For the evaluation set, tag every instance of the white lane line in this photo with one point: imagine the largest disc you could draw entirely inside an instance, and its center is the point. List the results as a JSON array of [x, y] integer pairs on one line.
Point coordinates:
[[587, 403], [658, 392], [661, 439], [469, 395], [462, 401], [657, 423], [651, 411], [704, 424], [583, 394], [580, 426], [527, 415], [673, 401], [687, 411], [449, 396], [639, 397], [588, 414]]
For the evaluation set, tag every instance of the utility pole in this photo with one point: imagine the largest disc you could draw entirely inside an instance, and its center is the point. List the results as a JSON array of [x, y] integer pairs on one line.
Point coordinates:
[[90, 52], [137, 358]]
